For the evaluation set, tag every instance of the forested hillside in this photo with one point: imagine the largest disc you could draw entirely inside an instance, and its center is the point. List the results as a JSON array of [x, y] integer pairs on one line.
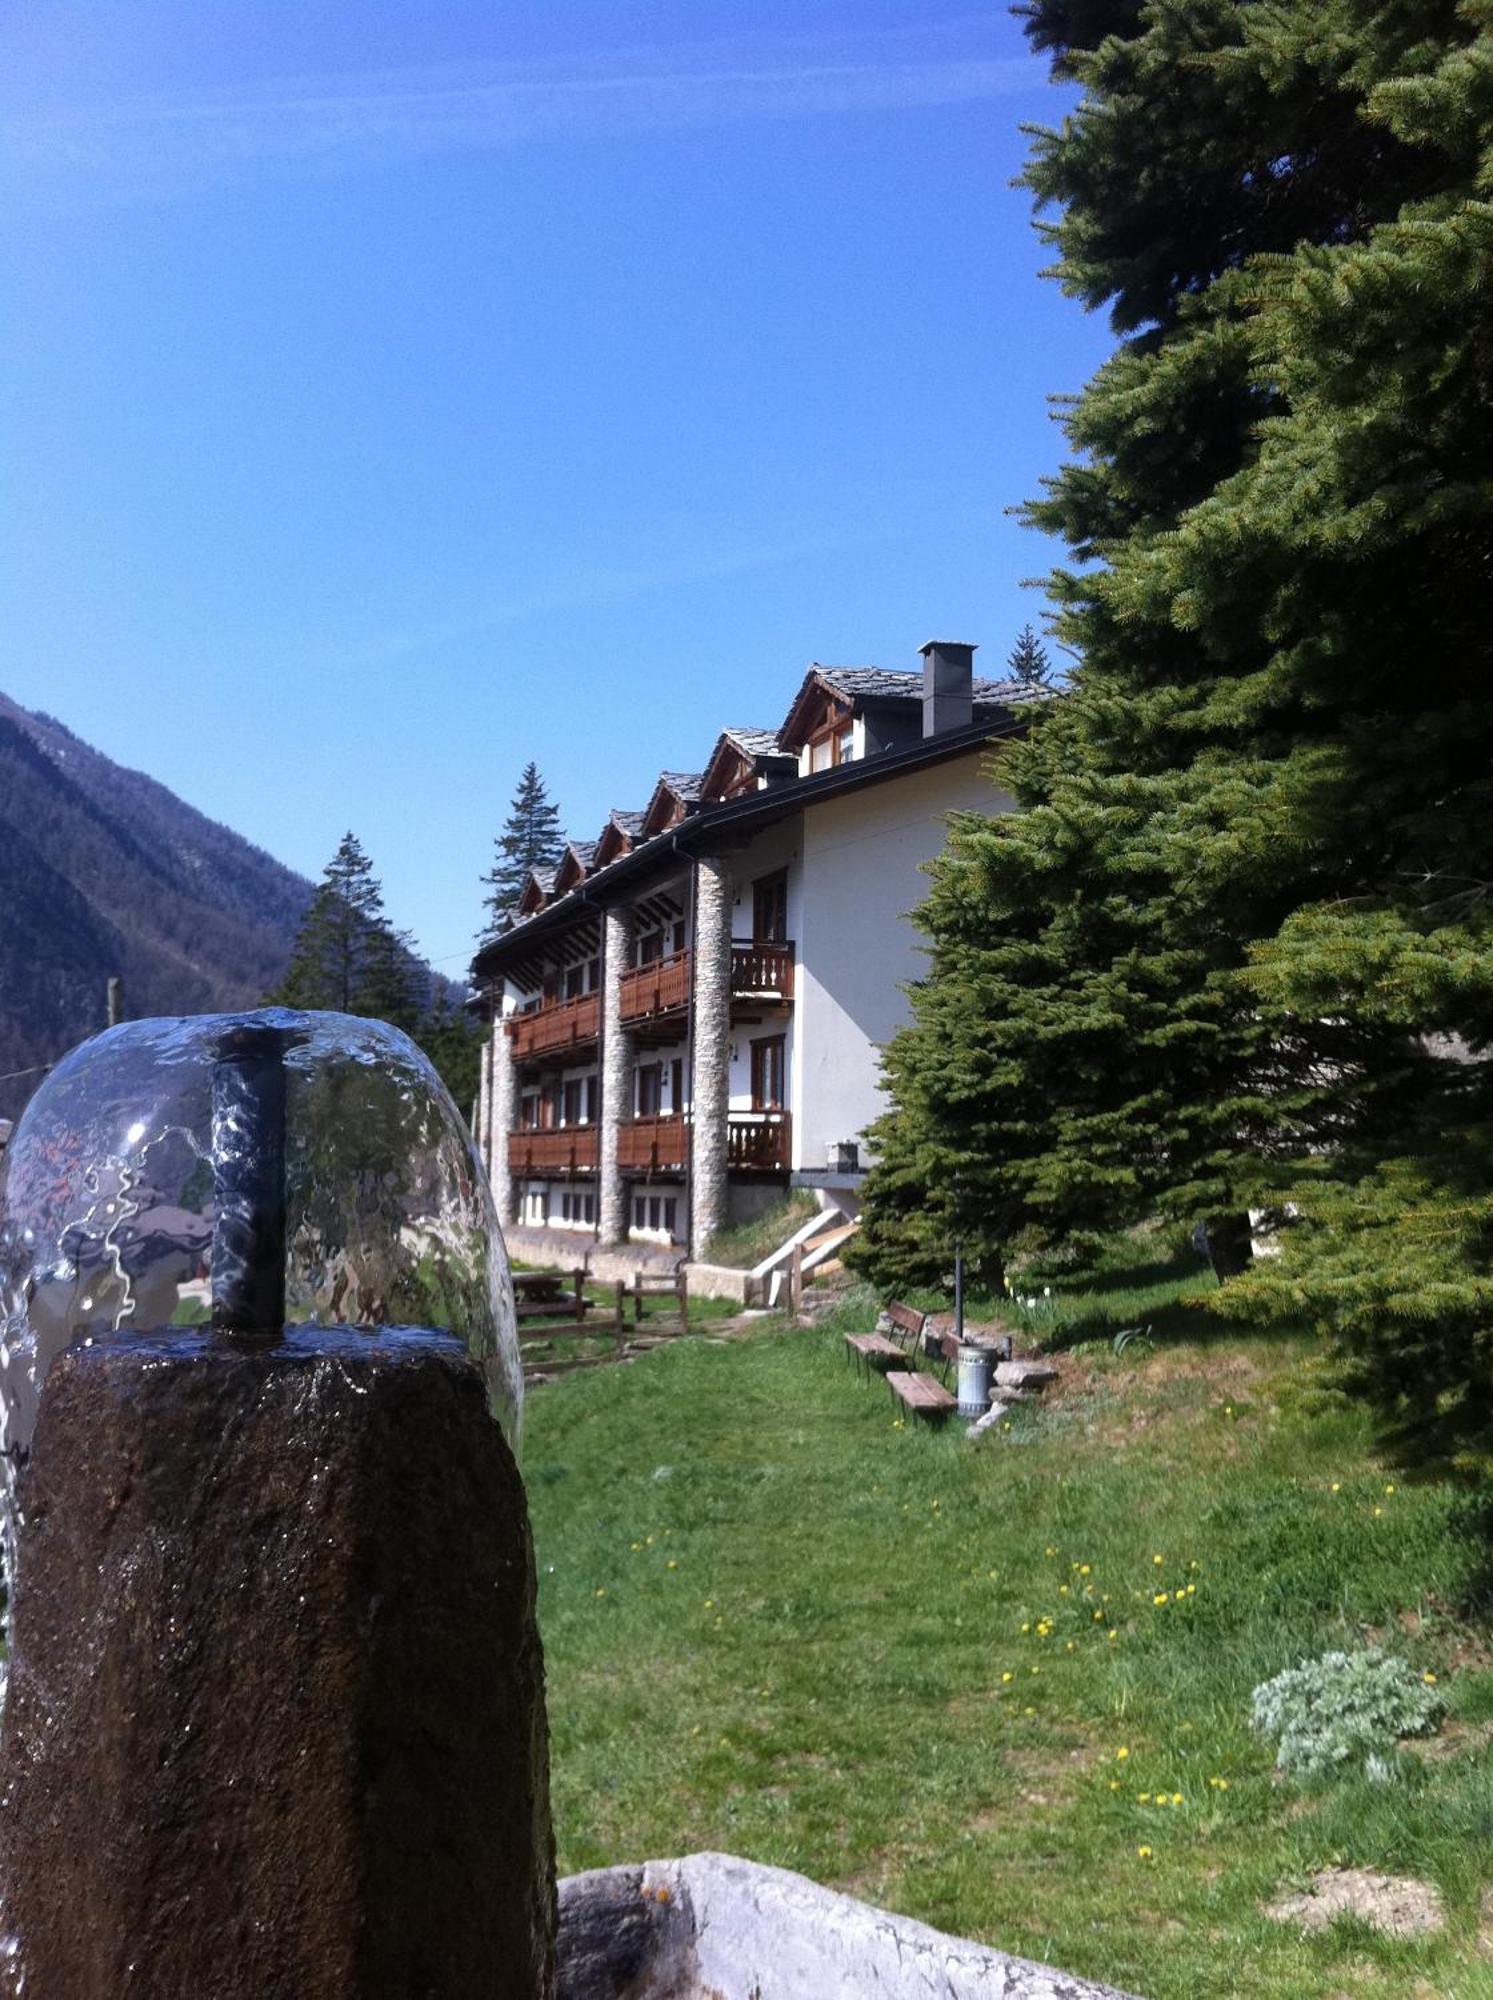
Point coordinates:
[[102, 870]]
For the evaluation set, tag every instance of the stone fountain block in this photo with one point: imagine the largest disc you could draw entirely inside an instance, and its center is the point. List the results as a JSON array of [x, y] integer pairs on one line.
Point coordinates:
[[276, 1725]]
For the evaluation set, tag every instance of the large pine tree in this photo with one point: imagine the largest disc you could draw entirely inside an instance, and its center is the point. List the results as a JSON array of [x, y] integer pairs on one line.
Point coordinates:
[[339, 937], [1237, 945], [1027, 660], [531, 838]]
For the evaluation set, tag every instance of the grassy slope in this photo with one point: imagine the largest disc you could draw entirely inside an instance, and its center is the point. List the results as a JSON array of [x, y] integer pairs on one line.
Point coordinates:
[[779, 1625]]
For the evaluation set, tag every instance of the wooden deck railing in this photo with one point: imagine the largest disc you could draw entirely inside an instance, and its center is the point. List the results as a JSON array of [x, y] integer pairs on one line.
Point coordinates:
[[759, 1141], [762, 968], [654, 1145], [660, 987], [560, 1024], [571, 1149]]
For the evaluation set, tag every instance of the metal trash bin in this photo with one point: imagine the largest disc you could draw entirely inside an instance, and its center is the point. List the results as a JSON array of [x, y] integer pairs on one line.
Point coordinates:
[[976, 1373]]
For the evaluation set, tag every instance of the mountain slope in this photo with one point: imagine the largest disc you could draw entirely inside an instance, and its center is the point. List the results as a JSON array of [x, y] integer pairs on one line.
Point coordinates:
[[102, 870]]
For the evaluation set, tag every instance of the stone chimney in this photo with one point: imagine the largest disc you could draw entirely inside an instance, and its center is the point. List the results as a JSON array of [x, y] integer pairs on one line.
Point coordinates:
[[948, 686]]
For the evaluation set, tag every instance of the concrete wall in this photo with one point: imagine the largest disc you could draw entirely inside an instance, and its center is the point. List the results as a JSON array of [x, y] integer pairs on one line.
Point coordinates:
[[862, 862]]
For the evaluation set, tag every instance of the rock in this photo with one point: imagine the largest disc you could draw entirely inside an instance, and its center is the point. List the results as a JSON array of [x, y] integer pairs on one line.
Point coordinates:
[[714, 1927], [1024, 1374], [275, 1724], [989, 1421]]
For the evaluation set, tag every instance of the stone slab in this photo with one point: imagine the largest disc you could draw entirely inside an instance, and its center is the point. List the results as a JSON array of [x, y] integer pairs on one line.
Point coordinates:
[[715, 1927]]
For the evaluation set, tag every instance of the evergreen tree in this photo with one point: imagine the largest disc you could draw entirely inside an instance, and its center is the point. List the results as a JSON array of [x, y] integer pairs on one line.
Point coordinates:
[[1236, 947], [329, 960], [1028, 661], [531, 838]]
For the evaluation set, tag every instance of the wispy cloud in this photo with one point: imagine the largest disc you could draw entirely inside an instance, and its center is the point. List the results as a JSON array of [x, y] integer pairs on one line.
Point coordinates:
[[586, 586], [359, 119]]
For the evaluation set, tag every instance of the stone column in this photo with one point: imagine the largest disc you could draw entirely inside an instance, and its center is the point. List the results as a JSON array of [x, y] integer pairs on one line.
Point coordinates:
[[616, 1075], [275, 1724], [710, 1041], [503, 1095]]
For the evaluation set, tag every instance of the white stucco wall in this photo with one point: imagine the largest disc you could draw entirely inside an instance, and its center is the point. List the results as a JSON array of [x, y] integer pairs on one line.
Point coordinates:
[[862, 859]]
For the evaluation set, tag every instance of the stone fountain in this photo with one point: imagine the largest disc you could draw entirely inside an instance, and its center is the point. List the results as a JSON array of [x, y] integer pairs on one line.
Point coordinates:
[[274, 1723], [274, 1726]]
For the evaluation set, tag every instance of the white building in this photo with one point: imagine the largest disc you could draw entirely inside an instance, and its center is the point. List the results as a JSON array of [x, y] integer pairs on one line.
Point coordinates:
[[688, 1012]]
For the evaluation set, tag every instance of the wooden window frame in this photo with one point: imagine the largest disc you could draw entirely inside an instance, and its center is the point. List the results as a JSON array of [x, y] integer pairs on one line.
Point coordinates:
[[774, 886], [760, 1057]]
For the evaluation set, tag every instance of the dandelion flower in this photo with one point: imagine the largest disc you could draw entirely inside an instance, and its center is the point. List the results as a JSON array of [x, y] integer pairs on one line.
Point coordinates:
[[1158, 1560], [1389, 1489], [1144, 1853], [1176, 1798], [1122, 1753], [1429, 1679]]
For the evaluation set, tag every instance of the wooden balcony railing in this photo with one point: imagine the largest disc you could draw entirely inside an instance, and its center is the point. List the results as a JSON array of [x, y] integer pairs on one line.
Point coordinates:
[[660, 987], [762, 968], [652, 1145], [759, 1141], [559, 1024], [571, 1149]]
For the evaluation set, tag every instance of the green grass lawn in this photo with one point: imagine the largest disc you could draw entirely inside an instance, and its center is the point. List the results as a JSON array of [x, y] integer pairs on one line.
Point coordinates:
[[779, 1623]]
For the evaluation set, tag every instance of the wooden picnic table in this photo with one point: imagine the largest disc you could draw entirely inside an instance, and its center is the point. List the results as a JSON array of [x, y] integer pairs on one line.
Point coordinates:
[[550, 1294]]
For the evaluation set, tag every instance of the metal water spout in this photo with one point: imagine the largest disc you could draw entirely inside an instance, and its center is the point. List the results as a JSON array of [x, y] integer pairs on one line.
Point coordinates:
[[275, 1724]]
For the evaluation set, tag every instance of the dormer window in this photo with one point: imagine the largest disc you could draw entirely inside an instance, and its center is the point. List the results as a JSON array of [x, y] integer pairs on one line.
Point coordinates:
[[832, 741]]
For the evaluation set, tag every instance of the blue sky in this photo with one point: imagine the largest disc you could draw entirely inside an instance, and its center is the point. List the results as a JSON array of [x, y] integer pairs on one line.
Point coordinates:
[[396, 392]]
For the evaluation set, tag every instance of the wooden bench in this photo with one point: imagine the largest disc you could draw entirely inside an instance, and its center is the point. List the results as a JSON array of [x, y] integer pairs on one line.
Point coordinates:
[[874, 1350], [909, 1324], [922, 1395]]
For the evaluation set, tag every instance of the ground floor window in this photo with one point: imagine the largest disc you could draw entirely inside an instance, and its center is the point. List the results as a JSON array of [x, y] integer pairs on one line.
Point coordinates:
[[657, 1213], [577, 1205], [536, 1207]]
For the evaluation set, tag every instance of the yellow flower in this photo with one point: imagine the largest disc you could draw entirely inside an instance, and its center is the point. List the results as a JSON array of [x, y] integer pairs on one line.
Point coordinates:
[[1144, 1853], [1083, 1569], [1008, 1677], [1158, 1560], [671, 1564], [1377, 1512], [1389, 1489], [1429, 1679], [1143, 1798], [1160, 1597], [1122, 1753], [1112, 1636], [710, 1604], [1062, 1590], [1071, 1645], [601, 1593], [1176, 1798], [1049, 1550], [1026, 1628], [1098, 1617], [1337, 1485], [1114, 1784]]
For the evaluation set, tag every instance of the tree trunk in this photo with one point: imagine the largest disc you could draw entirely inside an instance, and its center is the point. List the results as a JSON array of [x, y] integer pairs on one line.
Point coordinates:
[[1229, 1247]]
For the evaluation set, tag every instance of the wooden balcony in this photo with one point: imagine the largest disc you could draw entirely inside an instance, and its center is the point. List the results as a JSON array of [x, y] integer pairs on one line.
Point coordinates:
[[652, 1145], [556, 1026], [759, 1142], [571, 1149], [660, 987], [761, 969]]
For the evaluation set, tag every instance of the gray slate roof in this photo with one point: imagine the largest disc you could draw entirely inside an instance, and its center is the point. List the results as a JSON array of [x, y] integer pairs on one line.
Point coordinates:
[[906, 684], [545, 877], [630, 823], [683, 784], [584, 851], [754, 742]]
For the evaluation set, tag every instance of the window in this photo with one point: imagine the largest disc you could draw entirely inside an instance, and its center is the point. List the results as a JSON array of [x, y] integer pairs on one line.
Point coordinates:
[[833, 741], [528, 1112], [671, 1211], [676, 1086], [575, 982], [770, 908], [680, 933], [768, 1073], [650, 948], [536, 1207], [650, 1087], [592, 1099], [575, 1101]]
